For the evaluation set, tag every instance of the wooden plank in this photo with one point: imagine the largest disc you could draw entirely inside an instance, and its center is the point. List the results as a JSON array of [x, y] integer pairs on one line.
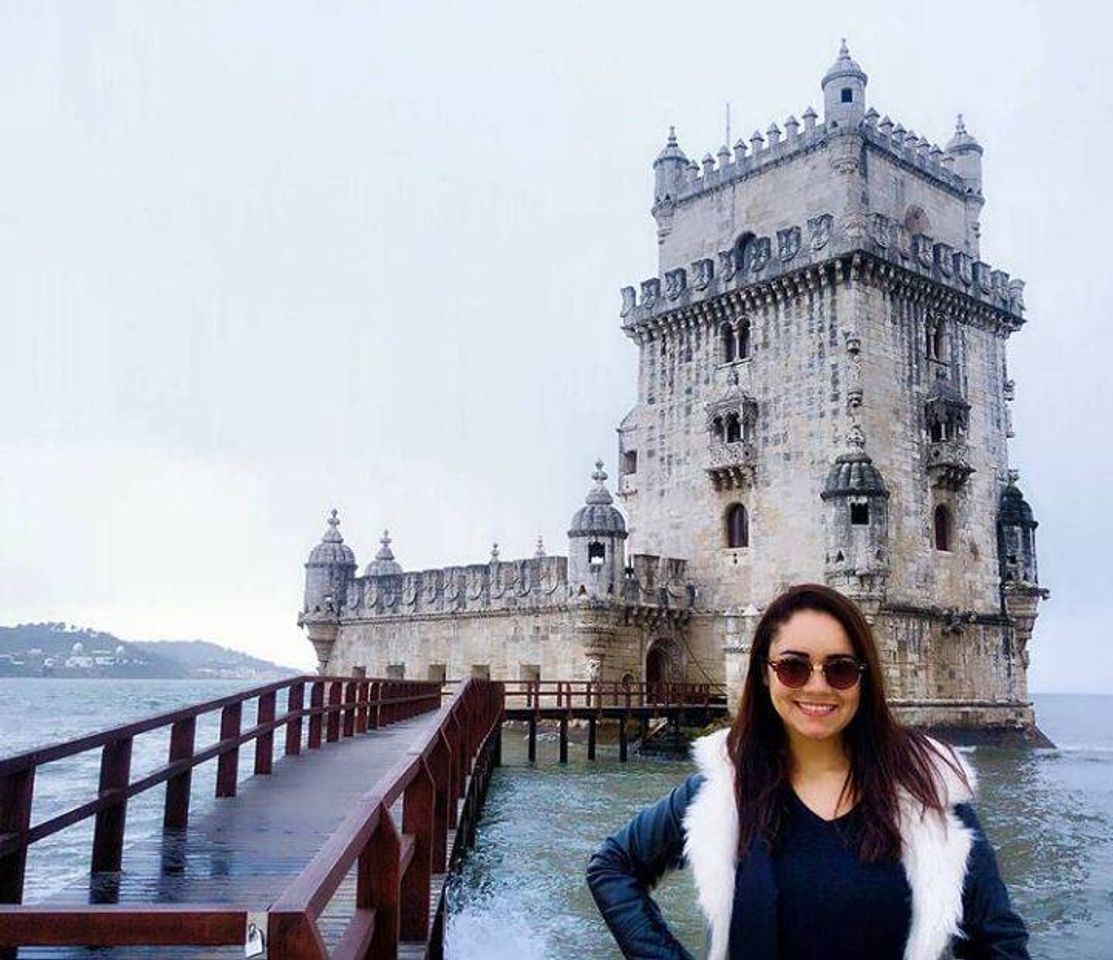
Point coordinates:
[[156, 924], [108, 833]]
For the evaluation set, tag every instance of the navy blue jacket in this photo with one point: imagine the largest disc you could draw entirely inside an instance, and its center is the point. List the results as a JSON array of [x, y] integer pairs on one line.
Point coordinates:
[[624, 870]]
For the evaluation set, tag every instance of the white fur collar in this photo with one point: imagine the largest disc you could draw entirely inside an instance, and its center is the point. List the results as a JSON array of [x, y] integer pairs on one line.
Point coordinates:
[[934, 856]]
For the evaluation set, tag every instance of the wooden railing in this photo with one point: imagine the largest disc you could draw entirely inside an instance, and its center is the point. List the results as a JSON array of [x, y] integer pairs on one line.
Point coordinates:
[[537, 694], [338, 707], [395, 862]]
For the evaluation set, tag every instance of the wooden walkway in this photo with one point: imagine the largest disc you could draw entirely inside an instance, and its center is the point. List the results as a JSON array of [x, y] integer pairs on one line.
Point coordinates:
[[248, 848]]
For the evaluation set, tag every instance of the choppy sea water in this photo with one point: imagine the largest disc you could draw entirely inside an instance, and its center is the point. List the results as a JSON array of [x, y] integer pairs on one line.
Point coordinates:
[[521, 893]]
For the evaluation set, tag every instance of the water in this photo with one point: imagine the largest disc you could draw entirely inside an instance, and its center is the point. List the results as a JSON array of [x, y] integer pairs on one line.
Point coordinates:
[[521, 893]]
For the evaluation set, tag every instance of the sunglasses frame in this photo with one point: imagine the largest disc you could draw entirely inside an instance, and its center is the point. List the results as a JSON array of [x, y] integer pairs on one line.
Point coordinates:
[[774, 663]]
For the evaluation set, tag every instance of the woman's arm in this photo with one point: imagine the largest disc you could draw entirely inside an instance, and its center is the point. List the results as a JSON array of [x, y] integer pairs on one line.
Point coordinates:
[[628, 865], [993, 930]]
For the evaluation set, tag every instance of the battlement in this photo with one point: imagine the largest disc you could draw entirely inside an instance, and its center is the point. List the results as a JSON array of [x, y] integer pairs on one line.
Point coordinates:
[[913, 151], [822, 239], [520, 585]]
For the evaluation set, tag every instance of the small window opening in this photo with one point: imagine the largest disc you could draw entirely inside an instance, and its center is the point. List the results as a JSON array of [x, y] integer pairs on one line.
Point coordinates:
[[437, 672], [734, 428], [727, 332], [396, 671], [744, 340], [860, 514], [630, 461], [936, 431], [717, 428], [847, 95], [481, 670], [738, 527], [942, 528], [596, 553]]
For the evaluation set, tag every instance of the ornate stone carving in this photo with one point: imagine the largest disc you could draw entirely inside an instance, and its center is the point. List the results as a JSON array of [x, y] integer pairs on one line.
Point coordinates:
[[964, 268], [945, 259], [819, 230], [629, 301], [702, 272], [651, 291], [676, 282], [788, 243], [924, 248], [728, 263], [881, 230], [760, 253]]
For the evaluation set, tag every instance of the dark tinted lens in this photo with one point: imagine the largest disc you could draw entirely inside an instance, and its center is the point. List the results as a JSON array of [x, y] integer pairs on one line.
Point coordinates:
[[841, 674], [792, 671]]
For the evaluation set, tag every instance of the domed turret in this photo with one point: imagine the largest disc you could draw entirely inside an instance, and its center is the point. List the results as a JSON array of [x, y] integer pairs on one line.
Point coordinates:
[[384, 564], [1016, 537], [857, 520], [967, 154], [668, 170], [596, 548], [844, 92], [329, 570]]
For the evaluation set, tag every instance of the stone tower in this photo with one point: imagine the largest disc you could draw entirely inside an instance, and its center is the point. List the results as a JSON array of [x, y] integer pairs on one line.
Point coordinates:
[[823, 396]]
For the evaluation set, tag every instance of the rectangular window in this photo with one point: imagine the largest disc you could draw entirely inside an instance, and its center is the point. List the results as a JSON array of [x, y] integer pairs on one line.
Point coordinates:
[[860, 514], [630, 461], [481, 670], [847, 95], [437, 672], [396, 671]]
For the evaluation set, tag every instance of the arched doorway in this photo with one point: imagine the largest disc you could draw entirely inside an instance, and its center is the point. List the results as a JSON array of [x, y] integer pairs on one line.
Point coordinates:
[[659, 668]]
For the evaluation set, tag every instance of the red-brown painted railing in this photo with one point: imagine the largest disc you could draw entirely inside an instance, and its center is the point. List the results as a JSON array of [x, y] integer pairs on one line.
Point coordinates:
[[394, 862], [537, 694], [354, 705]]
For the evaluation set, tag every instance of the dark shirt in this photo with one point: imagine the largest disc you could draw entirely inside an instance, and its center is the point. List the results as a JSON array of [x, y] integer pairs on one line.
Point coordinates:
[[830, 905]]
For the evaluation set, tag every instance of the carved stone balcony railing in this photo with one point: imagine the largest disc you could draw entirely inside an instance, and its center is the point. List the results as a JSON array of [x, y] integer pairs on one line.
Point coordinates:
[[731, 464], [949, 463]]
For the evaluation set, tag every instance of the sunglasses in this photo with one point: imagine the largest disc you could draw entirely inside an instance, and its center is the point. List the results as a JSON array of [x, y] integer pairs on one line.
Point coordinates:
[[841, 673]]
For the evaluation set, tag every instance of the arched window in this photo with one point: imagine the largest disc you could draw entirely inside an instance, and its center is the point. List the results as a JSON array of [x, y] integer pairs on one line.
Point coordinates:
[[942, 528], [596, 553], [738, 526], [717, 429], [734, 428], [743, 339], [726, 332], [743, 251]]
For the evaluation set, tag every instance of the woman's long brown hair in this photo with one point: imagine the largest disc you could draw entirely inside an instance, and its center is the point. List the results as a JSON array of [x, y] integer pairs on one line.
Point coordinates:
[[884, 754]]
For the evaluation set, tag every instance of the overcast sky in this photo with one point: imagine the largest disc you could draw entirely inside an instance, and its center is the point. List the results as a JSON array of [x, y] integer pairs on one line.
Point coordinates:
[[263, 259]]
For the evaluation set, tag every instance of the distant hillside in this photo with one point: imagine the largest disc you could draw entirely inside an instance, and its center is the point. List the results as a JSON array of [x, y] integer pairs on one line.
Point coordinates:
[[64, 650]]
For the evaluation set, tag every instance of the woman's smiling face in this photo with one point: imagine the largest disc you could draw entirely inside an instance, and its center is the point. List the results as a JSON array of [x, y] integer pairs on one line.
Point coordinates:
[[815, 711]]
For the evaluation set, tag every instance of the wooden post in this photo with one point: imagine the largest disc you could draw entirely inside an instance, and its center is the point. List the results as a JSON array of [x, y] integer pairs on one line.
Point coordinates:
[[622, 739], [264, 743], [378, 885], [564, 739], [175, 816], [440, 763], [295, 700], [591, 738], [417, 821], [361, 706], [316, 701], [16, 792], [332, 725], [373, 698], [228, 766], [108, 834], [532, 739], [348, 728]]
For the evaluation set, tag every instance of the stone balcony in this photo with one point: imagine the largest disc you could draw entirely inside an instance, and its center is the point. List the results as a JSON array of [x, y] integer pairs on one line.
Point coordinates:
[[949, 463], [627, 485], [731, 464]]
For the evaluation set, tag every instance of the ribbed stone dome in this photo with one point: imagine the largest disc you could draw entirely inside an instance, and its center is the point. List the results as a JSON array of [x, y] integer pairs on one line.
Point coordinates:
[[1013, 510], [384, 564], [962, 139], [844, 66], [332, 550], [854, 475], [672, 149], [598, 516]]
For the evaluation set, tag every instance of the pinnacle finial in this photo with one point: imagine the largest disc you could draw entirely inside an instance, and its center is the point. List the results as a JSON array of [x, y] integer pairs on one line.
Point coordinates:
[[334, 518], [844, 51], [540, 552], [494, 552], [599, 475], [960, 126], [855, 438], [385, 538], [672, 135], [332, 534]]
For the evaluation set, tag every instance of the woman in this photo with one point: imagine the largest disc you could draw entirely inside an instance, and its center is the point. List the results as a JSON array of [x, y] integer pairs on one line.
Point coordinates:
[[817, 827]]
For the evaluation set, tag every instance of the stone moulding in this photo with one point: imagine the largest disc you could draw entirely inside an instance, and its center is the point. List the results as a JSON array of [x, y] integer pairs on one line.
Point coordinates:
[[645, 322]]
